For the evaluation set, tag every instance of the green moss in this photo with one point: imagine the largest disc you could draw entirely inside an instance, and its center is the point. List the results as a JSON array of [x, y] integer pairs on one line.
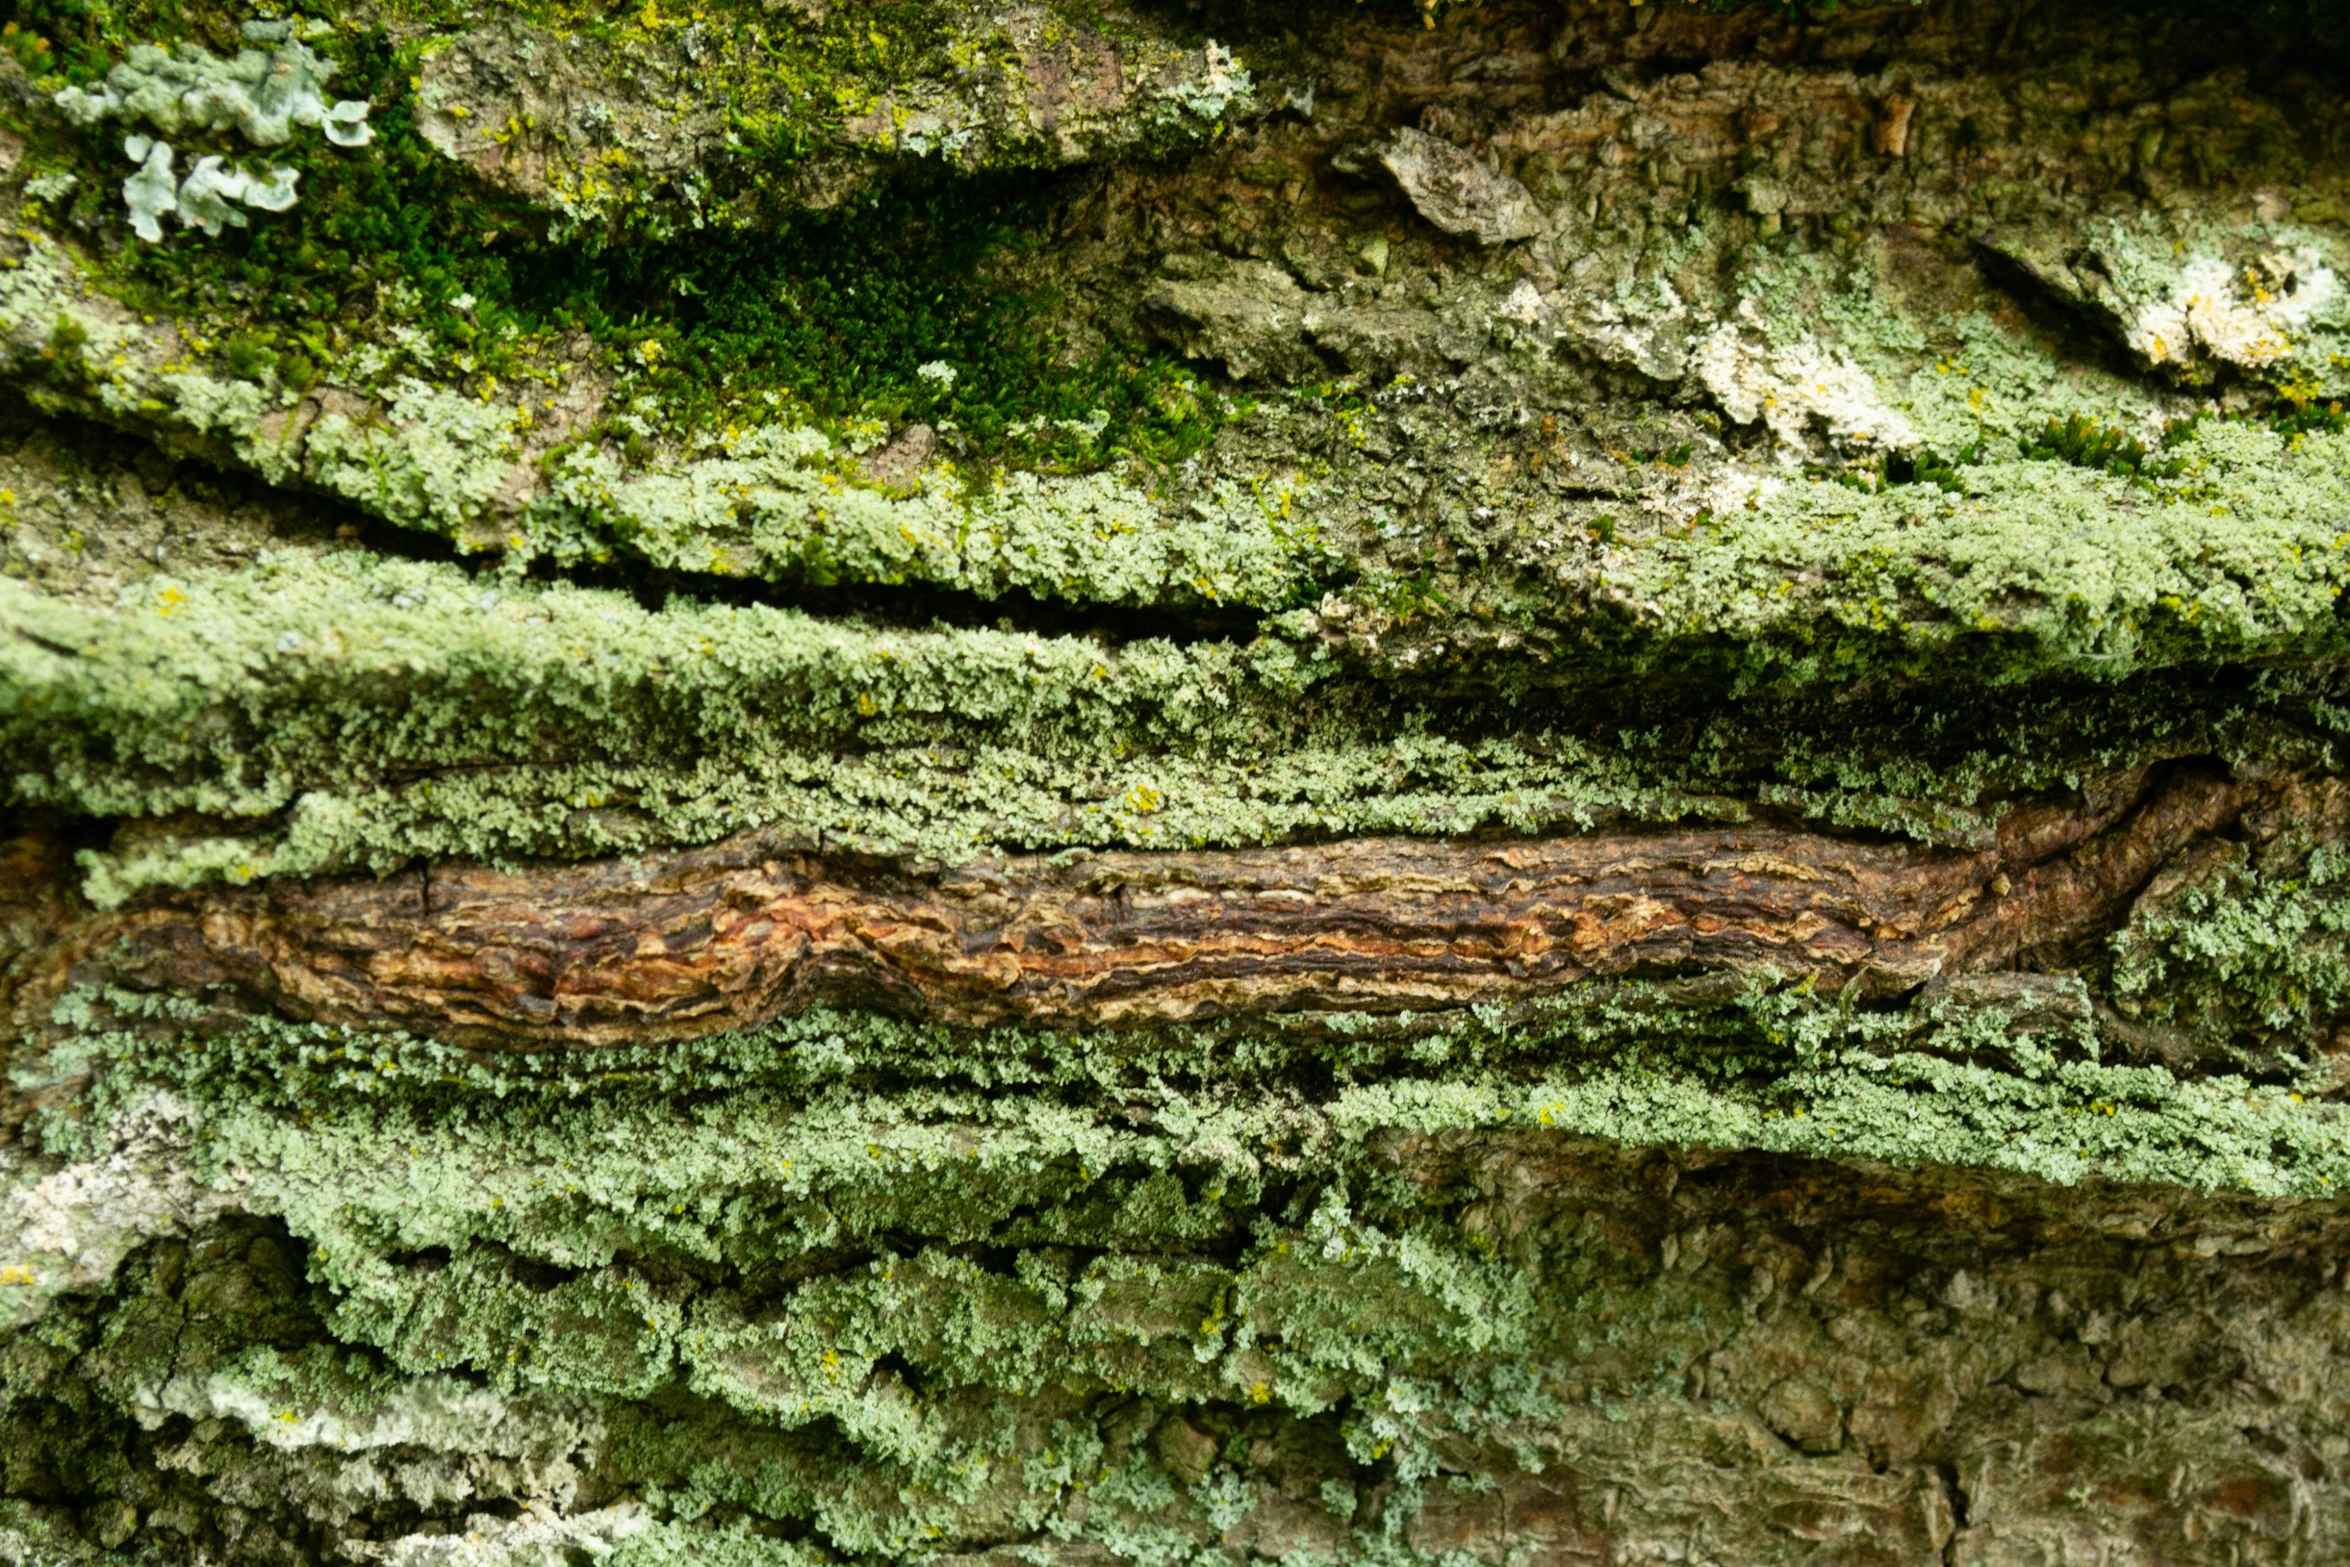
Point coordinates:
[[840, 312], [2084, 443], [825, 317], [827, 314], [29, 49]]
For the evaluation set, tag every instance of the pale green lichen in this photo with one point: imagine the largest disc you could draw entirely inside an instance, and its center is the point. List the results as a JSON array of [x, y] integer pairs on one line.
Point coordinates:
[[353, 710], [772, 502], [205, 200], [369, 1142], [265, 95], [927, 1252], [436, 459], [1826, 538], [2243, 954], [1808, 573]]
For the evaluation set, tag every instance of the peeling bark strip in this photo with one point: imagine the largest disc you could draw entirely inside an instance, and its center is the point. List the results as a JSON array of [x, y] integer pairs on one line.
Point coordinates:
[[694, 943]]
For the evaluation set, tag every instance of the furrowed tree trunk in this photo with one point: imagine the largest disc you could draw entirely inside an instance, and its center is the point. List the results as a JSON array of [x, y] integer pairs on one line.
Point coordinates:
[[848, 783]]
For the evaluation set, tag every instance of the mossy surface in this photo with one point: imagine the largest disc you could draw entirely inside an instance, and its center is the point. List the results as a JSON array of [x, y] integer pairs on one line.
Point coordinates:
[[928, 431], [829, 313], [592, 401]]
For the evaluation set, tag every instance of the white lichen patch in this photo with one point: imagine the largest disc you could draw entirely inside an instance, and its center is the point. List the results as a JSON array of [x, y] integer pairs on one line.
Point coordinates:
[[1797, 386], [1220, 86], [1643, 324], [263, 94], [288, 1406], [1797, 390], [68, 1230], [152, 194], [538, 1535], [2249, 317], [1717, 489], [207, 199], [1522, 304]]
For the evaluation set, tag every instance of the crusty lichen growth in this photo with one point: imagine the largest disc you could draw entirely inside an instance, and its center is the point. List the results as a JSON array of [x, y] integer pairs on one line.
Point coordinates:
[[958, 1256], [1773, 384], [933, 430], [325, 710], [174, 649]]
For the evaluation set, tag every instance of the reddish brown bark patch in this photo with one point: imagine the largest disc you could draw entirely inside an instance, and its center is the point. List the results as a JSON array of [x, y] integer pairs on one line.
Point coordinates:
[[691, 943]]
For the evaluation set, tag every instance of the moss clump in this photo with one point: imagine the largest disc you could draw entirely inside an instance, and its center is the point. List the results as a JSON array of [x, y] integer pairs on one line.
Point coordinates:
[[828, 317], [876, 313], [2085, 443]]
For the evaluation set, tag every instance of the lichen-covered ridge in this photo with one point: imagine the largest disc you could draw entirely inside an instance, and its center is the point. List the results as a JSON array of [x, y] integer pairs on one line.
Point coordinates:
[[267, 700], [855, 782]]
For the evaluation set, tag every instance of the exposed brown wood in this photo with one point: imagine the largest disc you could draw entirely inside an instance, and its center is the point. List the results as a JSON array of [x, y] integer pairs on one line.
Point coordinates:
[[691, 943]]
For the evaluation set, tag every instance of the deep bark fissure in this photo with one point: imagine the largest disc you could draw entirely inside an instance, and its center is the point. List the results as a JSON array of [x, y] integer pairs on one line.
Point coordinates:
[[677, 946]]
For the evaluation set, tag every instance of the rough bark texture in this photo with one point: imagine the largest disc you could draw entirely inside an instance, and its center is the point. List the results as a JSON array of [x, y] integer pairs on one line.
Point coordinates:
[[864, 782], [732, 936]]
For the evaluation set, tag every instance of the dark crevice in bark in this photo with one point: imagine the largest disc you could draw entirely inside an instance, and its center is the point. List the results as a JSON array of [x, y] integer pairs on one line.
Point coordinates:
[[1955, 1498]]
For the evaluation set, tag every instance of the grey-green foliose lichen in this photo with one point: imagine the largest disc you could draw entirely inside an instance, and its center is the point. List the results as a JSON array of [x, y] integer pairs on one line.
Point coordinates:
[[263, 94]]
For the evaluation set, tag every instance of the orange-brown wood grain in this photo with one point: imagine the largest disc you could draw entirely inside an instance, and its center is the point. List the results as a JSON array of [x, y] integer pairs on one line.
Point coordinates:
[[690, 943]]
